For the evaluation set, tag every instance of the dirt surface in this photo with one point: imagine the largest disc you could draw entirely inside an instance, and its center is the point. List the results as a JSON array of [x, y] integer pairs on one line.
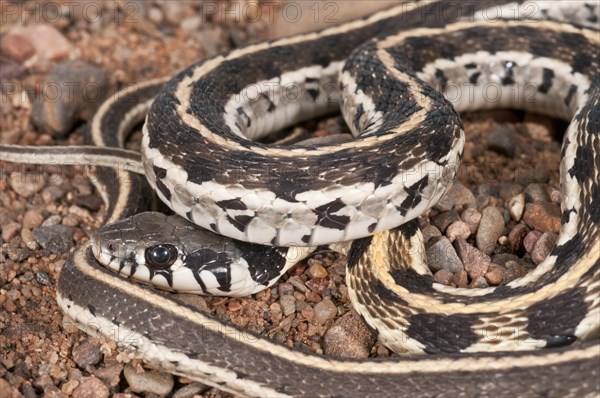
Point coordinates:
[[47, 211]]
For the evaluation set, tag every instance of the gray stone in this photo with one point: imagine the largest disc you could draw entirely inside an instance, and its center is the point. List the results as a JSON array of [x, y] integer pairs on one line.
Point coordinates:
[[441, 255], [457, 196], [324, 311], [536, 193], [80, 90], [55, 238], [149, 381], [502, 140], [490, 229], [87, 354]]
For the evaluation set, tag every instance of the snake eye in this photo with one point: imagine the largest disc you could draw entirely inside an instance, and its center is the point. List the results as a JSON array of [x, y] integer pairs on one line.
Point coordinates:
[[161, 256]]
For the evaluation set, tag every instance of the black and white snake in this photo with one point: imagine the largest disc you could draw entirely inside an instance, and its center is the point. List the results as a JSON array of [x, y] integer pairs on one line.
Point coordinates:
[[200, 157]]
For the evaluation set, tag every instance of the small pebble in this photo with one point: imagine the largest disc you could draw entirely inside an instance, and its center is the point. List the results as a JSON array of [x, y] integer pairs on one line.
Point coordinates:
[[349, 337], [542, 216], [516, 237], [495, 275], [475, 262], [26, 184], [17, 254], [509, 189], [443, 276], [460, 279], [516, 205], [86, 85], [502, 140], [69, 386], [543, 247], [317, 271], [48, 42], [490, 229], [536, 193], [530, 240], [10, 230], [285, 289], [86, 354], [471, 217], [441, 255], [457, 196], [155, 15], [32, 219], [479, 283], [91, 387], [555, 195], [446, 218], [149, 381], [429, 232], [298, 284], [458, 229], [503, 258], [173, 11], [288, 304], [56, 238], [16, 47], [514, 270], [191, 390], [191, 24], [324, 311], [111, 375]]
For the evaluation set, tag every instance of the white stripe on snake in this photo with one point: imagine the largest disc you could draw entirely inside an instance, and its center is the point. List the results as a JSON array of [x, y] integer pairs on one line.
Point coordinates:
[[361, 197]]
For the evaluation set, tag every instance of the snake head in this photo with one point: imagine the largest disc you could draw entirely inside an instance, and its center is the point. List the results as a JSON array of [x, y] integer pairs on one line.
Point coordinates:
[[171, 253]]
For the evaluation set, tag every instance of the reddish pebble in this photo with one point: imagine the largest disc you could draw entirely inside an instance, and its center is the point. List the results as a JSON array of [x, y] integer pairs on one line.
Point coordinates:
[[17, 47], [543, 216], [530, 239]]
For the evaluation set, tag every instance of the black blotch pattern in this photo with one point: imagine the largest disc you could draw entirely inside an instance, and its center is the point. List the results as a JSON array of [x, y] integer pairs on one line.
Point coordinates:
[[388, 295], [413, 282], [508, 77], [582, 165], [313, 92], [218, 263], [409, 229], [414, 195], [360, 110], [570, 94], [569, 251], [232, 204], [160, 174], [327, 219], [357, 249], [442, 79], [445, 333], [547, 76], [474, 77], [240, 222], [92, 309], [556, 318], [264, 262]]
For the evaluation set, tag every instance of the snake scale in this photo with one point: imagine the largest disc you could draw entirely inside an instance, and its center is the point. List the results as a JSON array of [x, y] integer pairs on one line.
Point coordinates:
[[536, 336]]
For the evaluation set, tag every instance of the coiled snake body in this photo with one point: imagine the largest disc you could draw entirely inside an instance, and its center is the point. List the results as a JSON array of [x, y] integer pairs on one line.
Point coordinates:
[[199, 156]]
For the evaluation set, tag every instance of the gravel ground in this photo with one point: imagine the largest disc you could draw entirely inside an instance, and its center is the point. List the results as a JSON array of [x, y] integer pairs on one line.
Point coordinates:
[[498, 221]]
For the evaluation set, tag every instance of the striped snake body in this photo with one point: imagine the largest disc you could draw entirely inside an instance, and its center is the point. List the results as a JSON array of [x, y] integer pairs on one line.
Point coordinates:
[[360, 197]]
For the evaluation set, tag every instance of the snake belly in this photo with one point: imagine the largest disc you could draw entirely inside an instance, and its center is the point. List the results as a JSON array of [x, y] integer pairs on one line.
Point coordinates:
[[556, 307]]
